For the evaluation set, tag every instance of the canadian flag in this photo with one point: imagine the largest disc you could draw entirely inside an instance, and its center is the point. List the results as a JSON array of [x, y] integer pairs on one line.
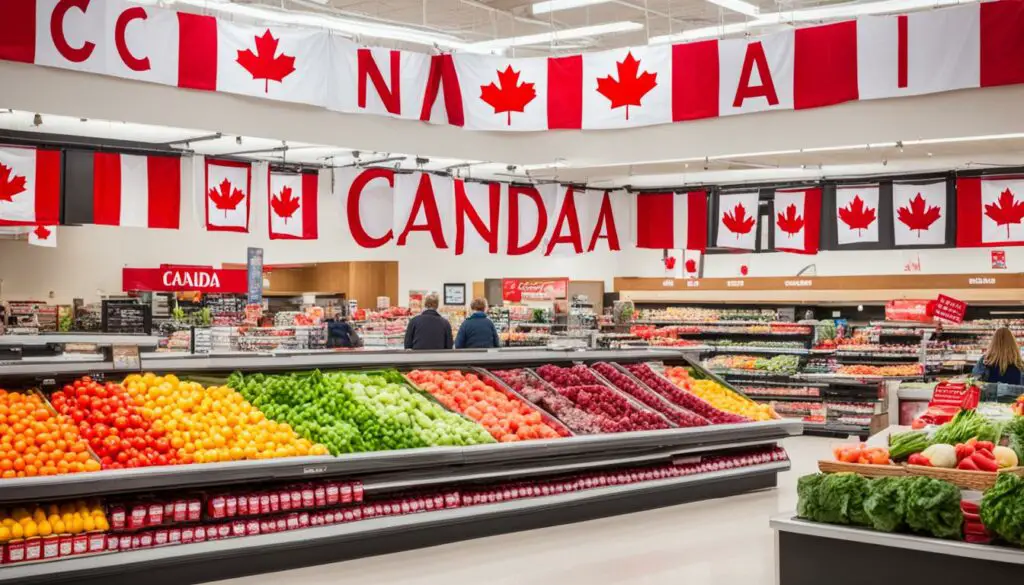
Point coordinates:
[[29, 186], [672, 220], [797, 220], [503, 94], [43, 235], [990, 210], [227, 198], [368, 202], [424, 210], [136, 191], [857, 214], [292, 206], [919, 214], [737, 220]]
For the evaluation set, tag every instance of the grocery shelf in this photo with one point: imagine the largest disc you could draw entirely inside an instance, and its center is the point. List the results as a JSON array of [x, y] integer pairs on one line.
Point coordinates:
[[219, 559], [758, 349], [185, 476], [100, 339], [807, 553]]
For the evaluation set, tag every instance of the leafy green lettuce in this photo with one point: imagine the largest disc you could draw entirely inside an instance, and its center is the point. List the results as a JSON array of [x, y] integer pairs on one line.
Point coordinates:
[[807, 503], [1002, 508], [933, 507], [841, 498], [886, 503]]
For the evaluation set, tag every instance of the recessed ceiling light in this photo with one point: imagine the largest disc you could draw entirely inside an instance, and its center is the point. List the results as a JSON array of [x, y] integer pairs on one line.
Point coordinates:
[[557, 35], [738, 6], [556, 5]]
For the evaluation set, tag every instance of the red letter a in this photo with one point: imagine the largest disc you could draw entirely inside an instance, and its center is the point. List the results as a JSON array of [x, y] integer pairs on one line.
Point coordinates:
[[755, 56]]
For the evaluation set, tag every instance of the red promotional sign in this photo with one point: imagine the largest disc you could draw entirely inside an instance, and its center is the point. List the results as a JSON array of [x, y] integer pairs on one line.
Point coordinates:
[[950, 309], [168, 278], [907, 310], [520, 289]]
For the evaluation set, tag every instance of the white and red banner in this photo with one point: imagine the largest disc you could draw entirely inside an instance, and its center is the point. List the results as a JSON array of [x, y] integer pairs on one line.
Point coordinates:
[[29, 186], [477, 217], [968, 46], [44, 236], [798, 220], [227, 197], [737, 220], [919, 214], [136, 191], [292, 206], [990, 211], [857, 214], [424, 211], [672, 220], [170, 277]]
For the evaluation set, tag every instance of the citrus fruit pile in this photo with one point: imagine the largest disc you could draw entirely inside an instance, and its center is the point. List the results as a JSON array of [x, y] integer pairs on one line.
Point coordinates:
[[506, 418], [34, 441], [107, 417], [719, 396], [212, 424], [68, 518]]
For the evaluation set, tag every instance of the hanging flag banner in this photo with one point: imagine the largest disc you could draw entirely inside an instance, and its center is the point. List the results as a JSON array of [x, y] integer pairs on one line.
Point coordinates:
[[136, 191], [990, 211], [857, 214], [292, 205], [797, 220], [919, 214], [737, 220], [672, 220], [968, 46], [226, 195], [29, 186], [43, 235]]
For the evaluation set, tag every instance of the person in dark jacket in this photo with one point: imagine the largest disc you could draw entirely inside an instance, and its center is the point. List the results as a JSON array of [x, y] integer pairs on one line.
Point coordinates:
[[428, 330], [339, 332], [1002, 362], [477, 331]]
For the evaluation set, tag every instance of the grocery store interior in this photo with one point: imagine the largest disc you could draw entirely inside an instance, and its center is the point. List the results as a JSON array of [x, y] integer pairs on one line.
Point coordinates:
[[423, 291]]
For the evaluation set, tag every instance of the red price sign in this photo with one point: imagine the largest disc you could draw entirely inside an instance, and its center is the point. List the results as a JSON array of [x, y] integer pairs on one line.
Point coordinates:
[[950, 309], [907, 310]]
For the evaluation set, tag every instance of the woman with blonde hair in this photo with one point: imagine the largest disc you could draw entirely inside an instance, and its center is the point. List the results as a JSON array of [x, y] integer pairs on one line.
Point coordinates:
[[1002, 361]]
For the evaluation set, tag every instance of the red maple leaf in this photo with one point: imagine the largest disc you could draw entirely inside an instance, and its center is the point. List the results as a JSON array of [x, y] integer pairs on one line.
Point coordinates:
[[744, 270], [691, 265], [918, 215], [226, 197], [1006, 211], [42, 233], [737, 221], [263, 64], [791, 223], [512, 96], [284, 204], [856, 216], [10, 185], [670, 262], [631, 86]]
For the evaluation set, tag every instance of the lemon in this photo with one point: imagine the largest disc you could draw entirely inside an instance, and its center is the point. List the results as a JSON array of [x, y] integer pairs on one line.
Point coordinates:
[[101, 524], [31, 529], [88, 525], [17, 531], [5, 534]]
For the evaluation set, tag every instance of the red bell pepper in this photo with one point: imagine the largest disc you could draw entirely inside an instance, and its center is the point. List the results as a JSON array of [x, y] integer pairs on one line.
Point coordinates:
[[984, 445], [984, 463], [968, 464]]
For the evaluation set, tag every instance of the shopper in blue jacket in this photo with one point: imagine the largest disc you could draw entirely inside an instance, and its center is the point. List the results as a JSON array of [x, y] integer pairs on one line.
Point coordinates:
[[477, 331]]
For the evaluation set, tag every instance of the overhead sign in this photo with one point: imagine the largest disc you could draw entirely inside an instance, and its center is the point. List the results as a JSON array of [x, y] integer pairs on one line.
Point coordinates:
[[534, 289], [169, 278], [908, 310], [950, 309]]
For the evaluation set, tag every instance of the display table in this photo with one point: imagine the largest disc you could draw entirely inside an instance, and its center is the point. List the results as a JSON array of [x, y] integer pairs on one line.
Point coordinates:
[[809, 553]]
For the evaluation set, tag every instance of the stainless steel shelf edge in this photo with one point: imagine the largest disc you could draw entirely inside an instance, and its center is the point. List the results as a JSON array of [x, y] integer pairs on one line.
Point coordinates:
[[788, 523], [67, 568], [355, 464], [92, 338]]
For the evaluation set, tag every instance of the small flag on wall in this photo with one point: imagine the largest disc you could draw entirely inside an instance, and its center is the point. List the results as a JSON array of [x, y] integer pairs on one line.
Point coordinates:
[[292, 201], [227, 196], [43, 235]]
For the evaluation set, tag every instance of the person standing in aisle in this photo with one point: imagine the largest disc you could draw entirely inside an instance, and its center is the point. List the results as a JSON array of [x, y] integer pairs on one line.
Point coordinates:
[[340, 332], [1002, 361], [428, 330], [477, 331]]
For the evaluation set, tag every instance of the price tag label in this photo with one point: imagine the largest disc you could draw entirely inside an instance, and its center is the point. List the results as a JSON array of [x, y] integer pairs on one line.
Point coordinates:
[[126, 357]]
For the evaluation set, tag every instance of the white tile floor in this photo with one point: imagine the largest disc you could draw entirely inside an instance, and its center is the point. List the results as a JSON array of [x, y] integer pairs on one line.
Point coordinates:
[[713, 542]]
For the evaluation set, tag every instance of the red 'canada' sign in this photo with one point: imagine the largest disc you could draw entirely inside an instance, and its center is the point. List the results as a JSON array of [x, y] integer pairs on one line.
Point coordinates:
[[169, 278], [516, 289]]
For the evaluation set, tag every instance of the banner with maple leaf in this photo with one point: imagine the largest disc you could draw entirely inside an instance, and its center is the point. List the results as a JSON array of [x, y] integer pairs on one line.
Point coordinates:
[[43, 235], [292, 206], [990, 211], [30, 186], [227, 195], [280, 63], [509, 93], [857, 214], [626, 87], [737, 220], [919, 214], [797, 220]]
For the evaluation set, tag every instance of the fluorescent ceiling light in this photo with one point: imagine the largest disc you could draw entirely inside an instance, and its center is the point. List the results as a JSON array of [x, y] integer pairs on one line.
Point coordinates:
[[738, 6], [348, 27], [849, 10], [556, 5], [557, 35]]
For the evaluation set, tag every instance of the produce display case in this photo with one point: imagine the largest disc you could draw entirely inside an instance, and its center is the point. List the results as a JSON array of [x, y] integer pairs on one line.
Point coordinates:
[[410, 498]]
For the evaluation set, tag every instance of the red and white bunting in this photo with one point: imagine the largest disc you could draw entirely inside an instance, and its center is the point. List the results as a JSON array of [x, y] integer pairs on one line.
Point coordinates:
[[857, 214], [672, 220], [919, 214], [565, 234], [29, 186], [367, 198], [136, 191], [990, 211], [682, 263], [43, 235], [528, 217], [477, 217], [424, 211], [737, 221], [292, 206], [607, 220], [798, 220], [930, 51], [227, 198]]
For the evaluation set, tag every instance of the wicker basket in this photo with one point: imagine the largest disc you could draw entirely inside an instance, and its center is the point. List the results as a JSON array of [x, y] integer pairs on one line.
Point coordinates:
[[867, 470], [964, 479]]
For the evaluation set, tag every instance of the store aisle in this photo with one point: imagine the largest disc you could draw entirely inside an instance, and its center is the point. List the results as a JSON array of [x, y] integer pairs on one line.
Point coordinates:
[[703, 543]]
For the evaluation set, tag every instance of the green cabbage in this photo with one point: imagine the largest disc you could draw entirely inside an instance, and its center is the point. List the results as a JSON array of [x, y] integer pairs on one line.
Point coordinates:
[[1002, 508], [807, 503], [841, 497], [886, 503], [933, 507]]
